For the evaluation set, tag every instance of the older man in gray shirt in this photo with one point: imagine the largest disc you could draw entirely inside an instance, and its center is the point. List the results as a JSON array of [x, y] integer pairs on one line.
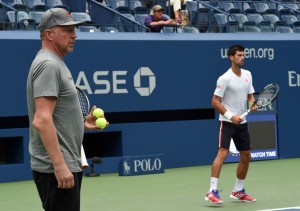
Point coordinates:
[[56, 122]]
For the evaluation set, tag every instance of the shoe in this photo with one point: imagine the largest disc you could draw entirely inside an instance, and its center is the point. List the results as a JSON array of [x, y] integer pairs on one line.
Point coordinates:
[[242, 196], [213, 197]]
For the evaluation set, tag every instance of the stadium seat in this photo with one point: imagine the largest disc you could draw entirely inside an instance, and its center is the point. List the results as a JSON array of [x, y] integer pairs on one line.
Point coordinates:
[[284, 29], [119, 5], [289, 19], [56, 4], [251, 26], [244, 7], [293, 6], [23, 20], [88, 29], [17, 4], [36, 5], [228, 6], [141, 18], [265, 26], [137, 8], [110, 29], [224, 25], [296, 27], [276, 7], [255, 17], [272, 18], [198, 14], [263, 7], [82, 16], [131, 17], [189, 29], [36, 16], [240, 18]]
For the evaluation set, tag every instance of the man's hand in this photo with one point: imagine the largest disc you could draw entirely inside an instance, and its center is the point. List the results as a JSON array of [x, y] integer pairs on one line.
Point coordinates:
[[65, 178], [236, 120], [170, 21], [90, 121]]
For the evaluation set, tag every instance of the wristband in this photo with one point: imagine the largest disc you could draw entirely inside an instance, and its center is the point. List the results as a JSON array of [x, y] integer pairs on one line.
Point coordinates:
[[228, 115]]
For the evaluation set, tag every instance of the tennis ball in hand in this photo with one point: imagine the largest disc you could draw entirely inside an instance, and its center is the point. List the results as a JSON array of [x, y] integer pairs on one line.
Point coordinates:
[[101, 123], [97, 113]]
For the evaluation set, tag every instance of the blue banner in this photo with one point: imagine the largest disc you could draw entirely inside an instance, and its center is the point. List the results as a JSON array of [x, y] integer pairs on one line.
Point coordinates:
[[140, 165]]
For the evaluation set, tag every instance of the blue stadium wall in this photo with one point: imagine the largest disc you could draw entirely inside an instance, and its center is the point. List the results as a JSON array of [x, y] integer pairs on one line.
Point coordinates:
[[156, 90]]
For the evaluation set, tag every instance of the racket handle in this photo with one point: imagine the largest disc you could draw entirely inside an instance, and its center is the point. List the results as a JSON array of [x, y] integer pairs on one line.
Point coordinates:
[[245, 114], [84, 163]]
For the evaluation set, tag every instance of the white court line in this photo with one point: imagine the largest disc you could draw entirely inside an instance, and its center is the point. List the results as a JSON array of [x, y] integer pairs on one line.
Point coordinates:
[[279, 209]]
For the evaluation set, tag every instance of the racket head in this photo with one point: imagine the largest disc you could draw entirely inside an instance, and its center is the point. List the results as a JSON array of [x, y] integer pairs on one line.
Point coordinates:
[[84, 102], [267, 95]]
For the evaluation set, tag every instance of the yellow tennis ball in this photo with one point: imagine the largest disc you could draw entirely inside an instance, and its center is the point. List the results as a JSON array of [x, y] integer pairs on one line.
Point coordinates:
[[97, 113], [101, 123]]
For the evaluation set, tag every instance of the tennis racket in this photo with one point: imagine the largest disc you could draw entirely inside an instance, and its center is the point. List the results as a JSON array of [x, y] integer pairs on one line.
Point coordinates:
[[264, 98], [85, 108]]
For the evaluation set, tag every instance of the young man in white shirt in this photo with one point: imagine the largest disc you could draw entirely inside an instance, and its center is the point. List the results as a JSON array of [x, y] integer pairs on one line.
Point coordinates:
[[234, 90]]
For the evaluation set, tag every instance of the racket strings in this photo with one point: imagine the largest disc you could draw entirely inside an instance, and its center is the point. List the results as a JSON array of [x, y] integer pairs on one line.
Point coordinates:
[[83, 103]]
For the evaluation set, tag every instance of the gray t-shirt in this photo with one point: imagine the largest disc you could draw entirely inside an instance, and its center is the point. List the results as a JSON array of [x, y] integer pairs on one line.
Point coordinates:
[[49, 76]]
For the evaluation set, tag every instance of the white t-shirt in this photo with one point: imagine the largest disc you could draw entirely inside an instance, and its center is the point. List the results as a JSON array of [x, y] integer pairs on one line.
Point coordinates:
[[234, 91]]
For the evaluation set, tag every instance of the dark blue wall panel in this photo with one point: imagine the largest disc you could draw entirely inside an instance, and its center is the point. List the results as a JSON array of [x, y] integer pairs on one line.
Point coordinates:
[[185, 69]]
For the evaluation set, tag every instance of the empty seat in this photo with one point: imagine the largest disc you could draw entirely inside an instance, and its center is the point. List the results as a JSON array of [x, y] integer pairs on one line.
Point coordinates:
[[296, 27], [284, 29], [129, 16], [240, 18], [141, 18], [83, 17], [198, 13], [265, 26], [228, 7], [88, 29], [36, 5], [36, 16], [275, 6], [17, 4], [119, 5], [251, 26], [56, 4], [244, 7], [263, 7], [289, 19], [137, 8], [224, 25], [272, 18], [110, 29], [23, 21], [255, 17], [190, 29]]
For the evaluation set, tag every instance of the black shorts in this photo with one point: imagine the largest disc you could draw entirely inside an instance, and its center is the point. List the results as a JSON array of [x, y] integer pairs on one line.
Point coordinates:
[[238, 133], [57, 199]]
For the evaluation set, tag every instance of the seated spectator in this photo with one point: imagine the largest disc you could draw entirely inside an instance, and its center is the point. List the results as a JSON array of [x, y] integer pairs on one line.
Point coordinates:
[[155, 21], [177, 7]]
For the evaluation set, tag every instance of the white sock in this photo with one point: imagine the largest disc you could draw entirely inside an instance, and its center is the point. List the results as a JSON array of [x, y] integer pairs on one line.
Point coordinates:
[[239, 185], [213, 183]]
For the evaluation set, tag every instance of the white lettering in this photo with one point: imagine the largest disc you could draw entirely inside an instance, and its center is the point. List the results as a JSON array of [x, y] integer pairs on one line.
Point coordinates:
[[117, 81], [82, 79], [258, 154], [294, 79], [147, 165], [103, 82], [271, 154], [254, 53]]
